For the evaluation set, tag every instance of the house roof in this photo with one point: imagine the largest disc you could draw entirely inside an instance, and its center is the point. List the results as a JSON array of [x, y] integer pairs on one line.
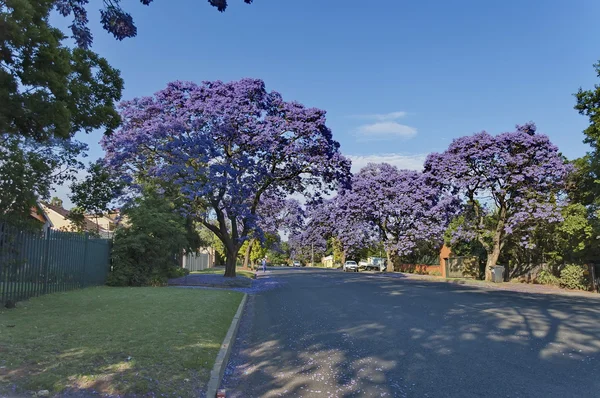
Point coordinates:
[[89, 225], [37, 213]]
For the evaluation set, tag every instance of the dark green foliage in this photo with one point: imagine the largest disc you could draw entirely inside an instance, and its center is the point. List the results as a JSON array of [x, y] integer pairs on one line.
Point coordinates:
[[48, 92], [425, 253], [545, 277], [46, 89], [77, 218], [147, 251], [94, 193], [573, 276], [178, 272], [29, 168], [462, 247], [588, 104]]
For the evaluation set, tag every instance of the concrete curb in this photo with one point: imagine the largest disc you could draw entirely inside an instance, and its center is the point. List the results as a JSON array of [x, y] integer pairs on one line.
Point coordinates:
[[216, 374]]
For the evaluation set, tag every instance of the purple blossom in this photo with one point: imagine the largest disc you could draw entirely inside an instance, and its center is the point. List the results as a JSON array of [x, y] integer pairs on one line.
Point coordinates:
[[507, 182], [227, 148], [403, 207]]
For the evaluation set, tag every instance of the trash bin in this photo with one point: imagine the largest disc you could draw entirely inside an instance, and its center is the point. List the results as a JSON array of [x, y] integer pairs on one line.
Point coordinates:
[[498, 274]]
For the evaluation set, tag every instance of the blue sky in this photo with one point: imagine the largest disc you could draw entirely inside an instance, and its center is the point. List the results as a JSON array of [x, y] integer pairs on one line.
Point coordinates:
[[398, 78]]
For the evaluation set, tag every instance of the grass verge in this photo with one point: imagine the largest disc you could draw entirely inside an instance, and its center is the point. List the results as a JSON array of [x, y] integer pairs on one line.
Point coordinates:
[[115, 340], [221, 271]]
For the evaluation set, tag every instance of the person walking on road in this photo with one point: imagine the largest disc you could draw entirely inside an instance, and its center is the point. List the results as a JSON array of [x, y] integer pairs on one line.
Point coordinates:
[[264, 264]]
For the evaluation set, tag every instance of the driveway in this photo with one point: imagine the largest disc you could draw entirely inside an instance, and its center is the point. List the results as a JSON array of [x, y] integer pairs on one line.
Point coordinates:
[[325, 333]]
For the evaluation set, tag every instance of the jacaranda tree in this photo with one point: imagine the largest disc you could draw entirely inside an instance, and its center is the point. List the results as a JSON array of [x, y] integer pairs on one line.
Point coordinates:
[[307, 243], [507, 182], [222, 146], [275, 214], [333, 220], [405, 206]]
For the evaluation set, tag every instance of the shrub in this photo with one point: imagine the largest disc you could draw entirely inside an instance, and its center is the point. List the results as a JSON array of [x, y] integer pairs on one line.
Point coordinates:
[[435, 273], [573, 277], [145, 252], [546, 277], [157, 281], [177, 272]]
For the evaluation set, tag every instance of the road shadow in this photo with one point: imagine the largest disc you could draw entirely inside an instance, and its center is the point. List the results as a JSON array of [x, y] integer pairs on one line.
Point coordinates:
[[341, 335]]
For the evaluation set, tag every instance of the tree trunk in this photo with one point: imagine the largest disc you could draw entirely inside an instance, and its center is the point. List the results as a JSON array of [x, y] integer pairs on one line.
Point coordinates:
[[343, 257], [390, 264], [492, 259], [492, 256], [247, 254], [230, 261]]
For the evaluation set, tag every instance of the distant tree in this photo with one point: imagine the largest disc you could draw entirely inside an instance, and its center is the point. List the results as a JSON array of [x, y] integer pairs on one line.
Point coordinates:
[[56, 201], [275, 214], [406, 207], [334, 220], [222, 146], [113, 18], [508, 183], [279, 253], [306, 243], [28, 169], [96, 191], [78, 222]]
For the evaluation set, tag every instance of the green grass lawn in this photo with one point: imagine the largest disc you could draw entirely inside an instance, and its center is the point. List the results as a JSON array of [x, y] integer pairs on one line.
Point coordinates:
[[115, 340], [221, 271]]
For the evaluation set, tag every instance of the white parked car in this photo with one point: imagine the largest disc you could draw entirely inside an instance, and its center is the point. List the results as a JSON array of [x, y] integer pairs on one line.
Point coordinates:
[[376, 264], [350, 266], [297, 264]]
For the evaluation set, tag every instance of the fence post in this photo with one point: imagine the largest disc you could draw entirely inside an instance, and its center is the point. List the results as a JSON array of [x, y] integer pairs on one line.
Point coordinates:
[[85, 251], [46, 260]]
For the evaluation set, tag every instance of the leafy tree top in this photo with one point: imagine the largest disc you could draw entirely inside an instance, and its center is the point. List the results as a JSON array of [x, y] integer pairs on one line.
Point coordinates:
[[112, 16], [518, 174], [49, 90], [223, 146], [404, 205]]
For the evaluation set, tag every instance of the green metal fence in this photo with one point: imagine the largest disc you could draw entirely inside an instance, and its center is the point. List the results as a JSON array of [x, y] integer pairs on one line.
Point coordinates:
[[40, 262]]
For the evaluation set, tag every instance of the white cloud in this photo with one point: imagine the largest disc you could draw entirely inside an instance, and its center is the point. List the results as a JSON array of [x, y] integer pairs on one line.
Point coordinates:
[[410, 162], [386, 129], [385, 126], [383, 116]]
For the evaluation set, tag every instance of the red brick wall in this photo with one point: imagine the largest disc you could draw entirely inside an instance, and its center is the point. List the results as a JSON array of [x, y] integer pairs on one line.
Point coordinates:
[[417, 268], [427, 269]]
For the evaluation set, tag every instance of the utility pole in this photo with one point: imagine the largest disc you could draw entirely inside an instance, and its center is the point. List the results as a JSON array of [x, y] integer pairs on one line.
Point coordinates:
[[312, 255]]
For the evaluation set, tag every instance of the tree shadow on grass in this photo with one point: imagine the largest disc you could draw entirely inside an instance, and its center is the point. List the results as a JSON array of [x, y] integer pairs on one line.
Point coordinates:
[[347, 335]]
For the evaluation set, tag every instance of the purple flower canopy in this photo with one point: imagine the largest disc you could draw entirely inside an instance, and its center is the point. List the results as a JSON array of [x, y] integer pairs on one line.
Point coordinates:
[[224, 146], [403, 206], [520, 174]]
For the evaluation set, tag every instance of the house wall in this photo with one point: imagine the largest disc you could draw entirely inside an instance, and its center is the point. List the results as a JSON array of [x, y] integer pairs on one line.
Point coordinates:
[[57, 220], [327, 261], [103, 222], [202, 259]]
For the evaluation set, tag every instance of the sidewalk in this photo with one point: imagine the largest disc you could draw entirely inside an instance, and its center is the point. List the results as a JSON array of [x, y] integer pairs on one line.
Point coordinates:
[[505, 286]]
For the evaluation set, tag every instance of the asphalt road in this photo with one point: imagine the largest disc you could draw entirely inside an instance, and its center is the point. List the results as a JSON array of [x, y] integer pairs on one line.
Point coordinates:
[[324, 333]]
